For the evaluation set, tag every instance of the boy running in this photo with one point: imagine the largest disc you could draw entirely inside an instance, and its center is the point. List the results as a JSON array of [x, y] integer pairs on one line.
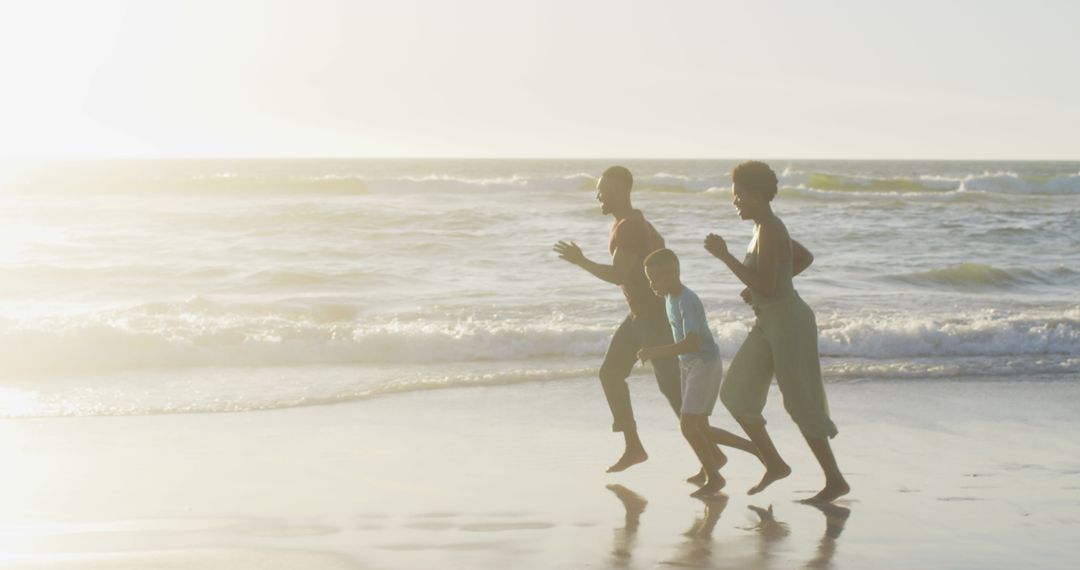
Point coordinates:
[[699, 361]]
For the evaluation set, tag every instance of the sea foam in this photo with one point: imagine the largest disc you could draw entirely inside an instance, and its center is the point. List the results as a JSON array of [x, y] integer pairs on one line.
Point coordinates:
[[178, 337]]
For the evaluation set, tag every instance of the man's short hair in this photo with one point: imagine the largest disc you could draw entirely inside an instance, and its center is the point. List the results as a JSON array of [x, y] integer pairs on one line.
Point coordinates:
[[621, 176], [757, 177], [662, 259]]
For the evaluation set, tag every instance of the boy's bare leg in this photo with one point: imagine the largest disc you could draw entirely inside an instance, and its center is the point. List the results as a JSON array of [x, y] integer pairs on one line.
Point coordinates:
[[835, 485], [633, 454], [728, 439], [721, 459], [695, 430], [775, 467], [700, 477], [723, 437]]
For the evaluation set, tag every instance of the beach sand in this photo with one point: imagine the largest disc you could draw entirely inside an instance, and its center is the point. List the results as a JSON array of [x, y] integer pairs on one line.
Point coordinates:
[[962, 474]]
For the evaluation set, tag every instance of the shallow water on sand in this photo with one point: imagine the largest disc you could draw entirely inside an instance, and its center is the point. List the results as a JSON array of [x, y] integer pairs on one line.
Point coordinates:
[[513, 477]]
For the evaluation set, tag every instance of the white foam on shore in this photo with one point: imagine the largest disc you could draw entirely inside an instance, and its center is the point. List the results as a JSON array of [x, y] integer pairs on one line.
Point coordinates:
[[179, 336]]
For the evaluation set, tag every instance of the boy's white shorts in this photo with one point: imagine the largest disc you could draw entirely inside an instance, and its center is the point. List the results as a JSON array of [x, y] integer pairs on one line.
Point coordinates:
[[701, 379]]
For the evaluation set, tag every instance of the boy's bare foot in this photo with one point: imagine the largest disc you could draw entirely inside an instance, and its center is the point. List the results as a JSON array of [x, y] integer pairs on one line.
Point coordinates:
[[629, 459], [711, 487], [772, 475], [698, 479], [830, 493], [701, 476]]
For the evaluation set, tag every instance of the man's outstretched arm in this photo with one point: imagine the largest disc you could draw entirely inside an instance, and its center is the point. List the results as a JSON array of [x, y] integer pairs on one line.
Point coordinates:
[[621, 264]]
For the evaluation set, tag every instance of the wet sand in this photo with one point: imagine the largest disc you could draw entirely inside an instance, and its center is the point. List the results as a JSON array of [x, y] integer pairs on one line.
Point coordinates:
[[975, 474]]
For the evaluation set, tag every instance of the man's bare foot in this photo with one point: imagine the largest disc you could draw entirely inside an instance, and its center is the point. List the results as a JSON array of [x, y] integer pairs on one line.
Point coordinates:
[[830, 493], [711, 486], [629, 459], [772, 475]]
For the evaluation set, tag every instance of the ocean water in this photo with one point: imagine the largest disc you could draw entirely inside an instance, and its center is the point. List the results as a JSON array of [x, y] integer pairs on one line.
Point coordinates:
[[141, 287]]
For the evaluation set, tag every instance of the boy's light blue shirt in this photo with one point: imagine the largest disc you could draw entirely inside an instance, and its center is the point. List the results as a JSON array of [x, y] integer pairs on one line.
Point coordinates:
[[686, 315]]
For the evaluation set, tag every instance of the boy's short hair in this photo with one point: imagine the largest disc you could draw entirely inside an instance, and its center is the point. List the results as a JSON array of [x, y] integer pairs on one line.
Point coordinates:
[[662, 259], [621, 176], [757, 177]]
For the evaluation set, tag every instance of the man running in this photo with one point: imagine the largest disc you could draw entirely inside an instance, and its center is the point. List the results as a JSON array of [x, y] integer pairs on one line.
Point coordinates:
[[633, 238]]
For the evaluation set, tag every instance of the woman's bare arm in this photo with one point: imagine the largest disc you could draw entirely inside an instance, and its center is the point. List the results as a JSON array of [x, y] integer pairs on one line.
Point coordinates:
[[801, 258]]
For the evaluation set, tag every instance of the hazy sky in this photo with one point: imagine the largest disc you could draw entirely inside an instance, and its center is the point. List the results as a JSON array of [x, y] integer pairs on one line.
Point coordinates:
[[552, 78]]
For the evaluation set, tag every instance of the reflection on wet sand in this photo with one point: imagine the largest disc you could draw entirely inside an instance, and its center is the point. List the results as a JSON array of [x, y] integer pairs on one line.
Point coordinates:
[[625, 537], [769, 532], [835, 519], [697, 549]]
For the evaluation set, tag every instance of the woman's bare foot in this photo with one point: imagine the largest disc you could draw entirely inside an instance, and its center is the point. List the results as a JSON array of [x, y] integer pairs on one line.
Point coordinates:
[[714, 483], [772, 474], [831, 492], [628, 459]]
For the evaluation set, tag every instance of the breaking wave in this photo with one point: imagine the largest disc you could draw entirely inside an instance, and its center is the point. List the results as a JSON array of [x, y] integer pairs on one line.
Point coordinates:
[[201, 334], [974, 276]]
